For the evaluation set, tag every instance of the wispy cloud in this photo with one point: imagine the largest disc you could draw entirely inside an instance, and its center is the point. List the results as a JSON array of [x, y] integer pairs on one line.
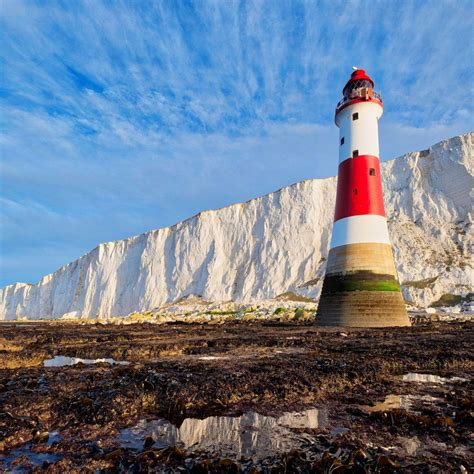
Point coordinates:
[[120, 117]]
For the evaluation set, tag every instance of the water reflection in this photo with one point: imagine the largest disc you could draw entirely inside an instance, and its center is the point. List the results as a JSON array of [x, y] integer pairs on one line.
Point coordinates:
[[404, 402], [249, 435], [430, 378], [391, 402], [31, 460], [211, 357], [28, 458], [62, 361]]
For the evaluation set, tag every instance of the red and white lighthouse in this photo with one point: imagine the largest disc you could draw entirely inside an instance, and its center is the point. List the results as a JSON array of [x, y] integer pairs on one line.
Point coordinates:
[[361, 285]]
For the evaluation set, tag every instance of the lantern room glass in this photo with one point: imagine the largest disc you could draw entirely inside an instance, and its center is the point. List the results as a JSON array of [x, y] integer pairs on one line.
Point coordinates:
[[359, 84]]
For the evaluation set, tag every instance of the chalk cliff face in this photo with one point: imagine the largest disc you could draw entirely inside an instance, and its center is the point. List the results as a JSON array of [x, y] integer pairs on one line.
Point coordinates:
[[273, 244]]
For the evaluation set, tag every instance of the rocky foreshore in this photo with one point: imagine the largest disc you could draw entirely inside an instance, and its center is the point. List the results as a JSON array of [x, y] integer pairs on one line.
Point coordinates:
[[235, 397]]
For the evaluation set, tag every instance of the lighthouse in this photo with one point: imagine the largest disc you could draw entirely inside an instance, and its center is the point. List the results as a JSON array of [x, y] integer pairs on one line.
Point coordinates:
[[361, 287]]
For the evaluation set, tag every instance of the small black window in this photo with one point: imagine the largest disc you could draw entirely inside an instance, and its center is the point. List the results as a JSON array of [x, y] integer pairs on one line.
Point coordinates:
[[354, 191], [372, 171], [355, 153], [342, 141], [355, 116]]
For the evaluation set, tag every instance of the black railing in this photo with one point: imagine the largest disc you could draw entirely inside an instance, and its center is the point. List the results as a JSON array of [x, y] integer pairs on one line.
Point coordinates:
[[358, 94]]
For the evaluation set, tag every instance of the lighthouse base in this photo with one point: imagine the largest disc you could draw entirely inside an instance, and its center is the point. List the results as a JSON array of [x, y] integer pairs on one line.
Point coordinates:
[[362, 309]]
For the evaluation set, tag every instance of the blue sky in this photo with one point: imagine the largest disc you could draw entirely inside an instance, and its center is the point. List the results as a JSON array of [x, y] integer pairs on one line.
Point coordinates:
[[123, 116]]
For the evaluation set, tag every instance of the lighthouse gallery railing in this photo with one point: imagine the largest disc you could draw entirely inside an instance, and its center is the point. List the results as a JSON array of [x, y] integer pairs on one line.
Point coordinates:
[[359, 93]]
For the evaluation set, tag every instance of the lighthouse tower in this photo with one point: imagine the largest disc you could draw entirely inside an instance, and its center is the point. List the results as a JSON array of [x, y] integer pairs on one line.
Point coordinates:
[[361, 287]]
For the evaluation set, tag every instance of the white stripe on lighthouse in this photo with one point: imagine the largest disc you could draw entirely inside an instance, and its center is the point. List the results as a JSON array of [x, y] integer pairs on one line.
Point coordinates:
[[361, 134], [360, 229]]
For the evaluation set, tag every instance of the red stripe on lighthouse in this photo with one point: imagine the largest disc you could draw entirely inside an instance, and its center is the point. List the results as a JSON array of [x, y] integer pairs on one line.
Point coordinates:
[[359, 188]]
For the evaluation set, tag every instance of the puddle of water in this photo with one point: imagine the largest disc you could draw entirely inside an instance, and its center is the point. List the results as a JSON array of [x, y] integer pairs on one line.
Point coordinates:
[[211, 357], [404, 402], [430, 378], [32, 458], [250, 436], [63, 361], [54, 437], [338, 430], [391, 402]]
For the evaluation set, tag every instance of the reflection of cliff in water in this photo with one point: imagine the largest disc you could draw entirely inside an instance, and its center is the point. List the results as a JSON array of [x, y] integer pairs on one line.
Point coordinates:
[[249, 435], [430, 378]]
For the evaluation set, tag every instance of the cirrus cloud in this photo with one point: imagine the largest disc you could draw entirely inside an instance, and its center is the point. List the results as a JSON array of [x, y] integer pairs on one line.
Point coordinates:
[[126, 116]]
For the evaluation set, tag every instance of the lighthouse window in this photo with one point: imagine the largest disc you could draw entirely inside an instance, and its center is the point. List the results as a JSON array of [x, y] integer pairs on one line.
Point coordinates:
[[372, 171], [355, 191], [355, 153], [342, 141], [355, 116]]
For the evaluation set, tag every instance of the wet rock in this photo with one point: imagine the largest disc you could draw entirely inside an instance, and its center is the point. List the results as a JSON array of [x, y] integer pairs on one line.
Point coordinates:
[[385, 464], [410, 445], [148, 443], [41, 437]]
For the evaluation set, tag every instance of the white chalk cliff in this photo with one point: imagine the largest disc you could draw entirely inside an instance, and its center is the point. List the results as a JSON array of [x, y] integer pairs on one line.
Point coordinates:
[[273, 244]]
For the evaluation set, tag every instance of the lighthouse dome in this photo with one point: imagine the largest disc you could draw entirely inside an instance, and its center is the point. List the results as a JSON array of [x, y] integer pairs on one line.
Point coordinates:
[[359, 79]]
